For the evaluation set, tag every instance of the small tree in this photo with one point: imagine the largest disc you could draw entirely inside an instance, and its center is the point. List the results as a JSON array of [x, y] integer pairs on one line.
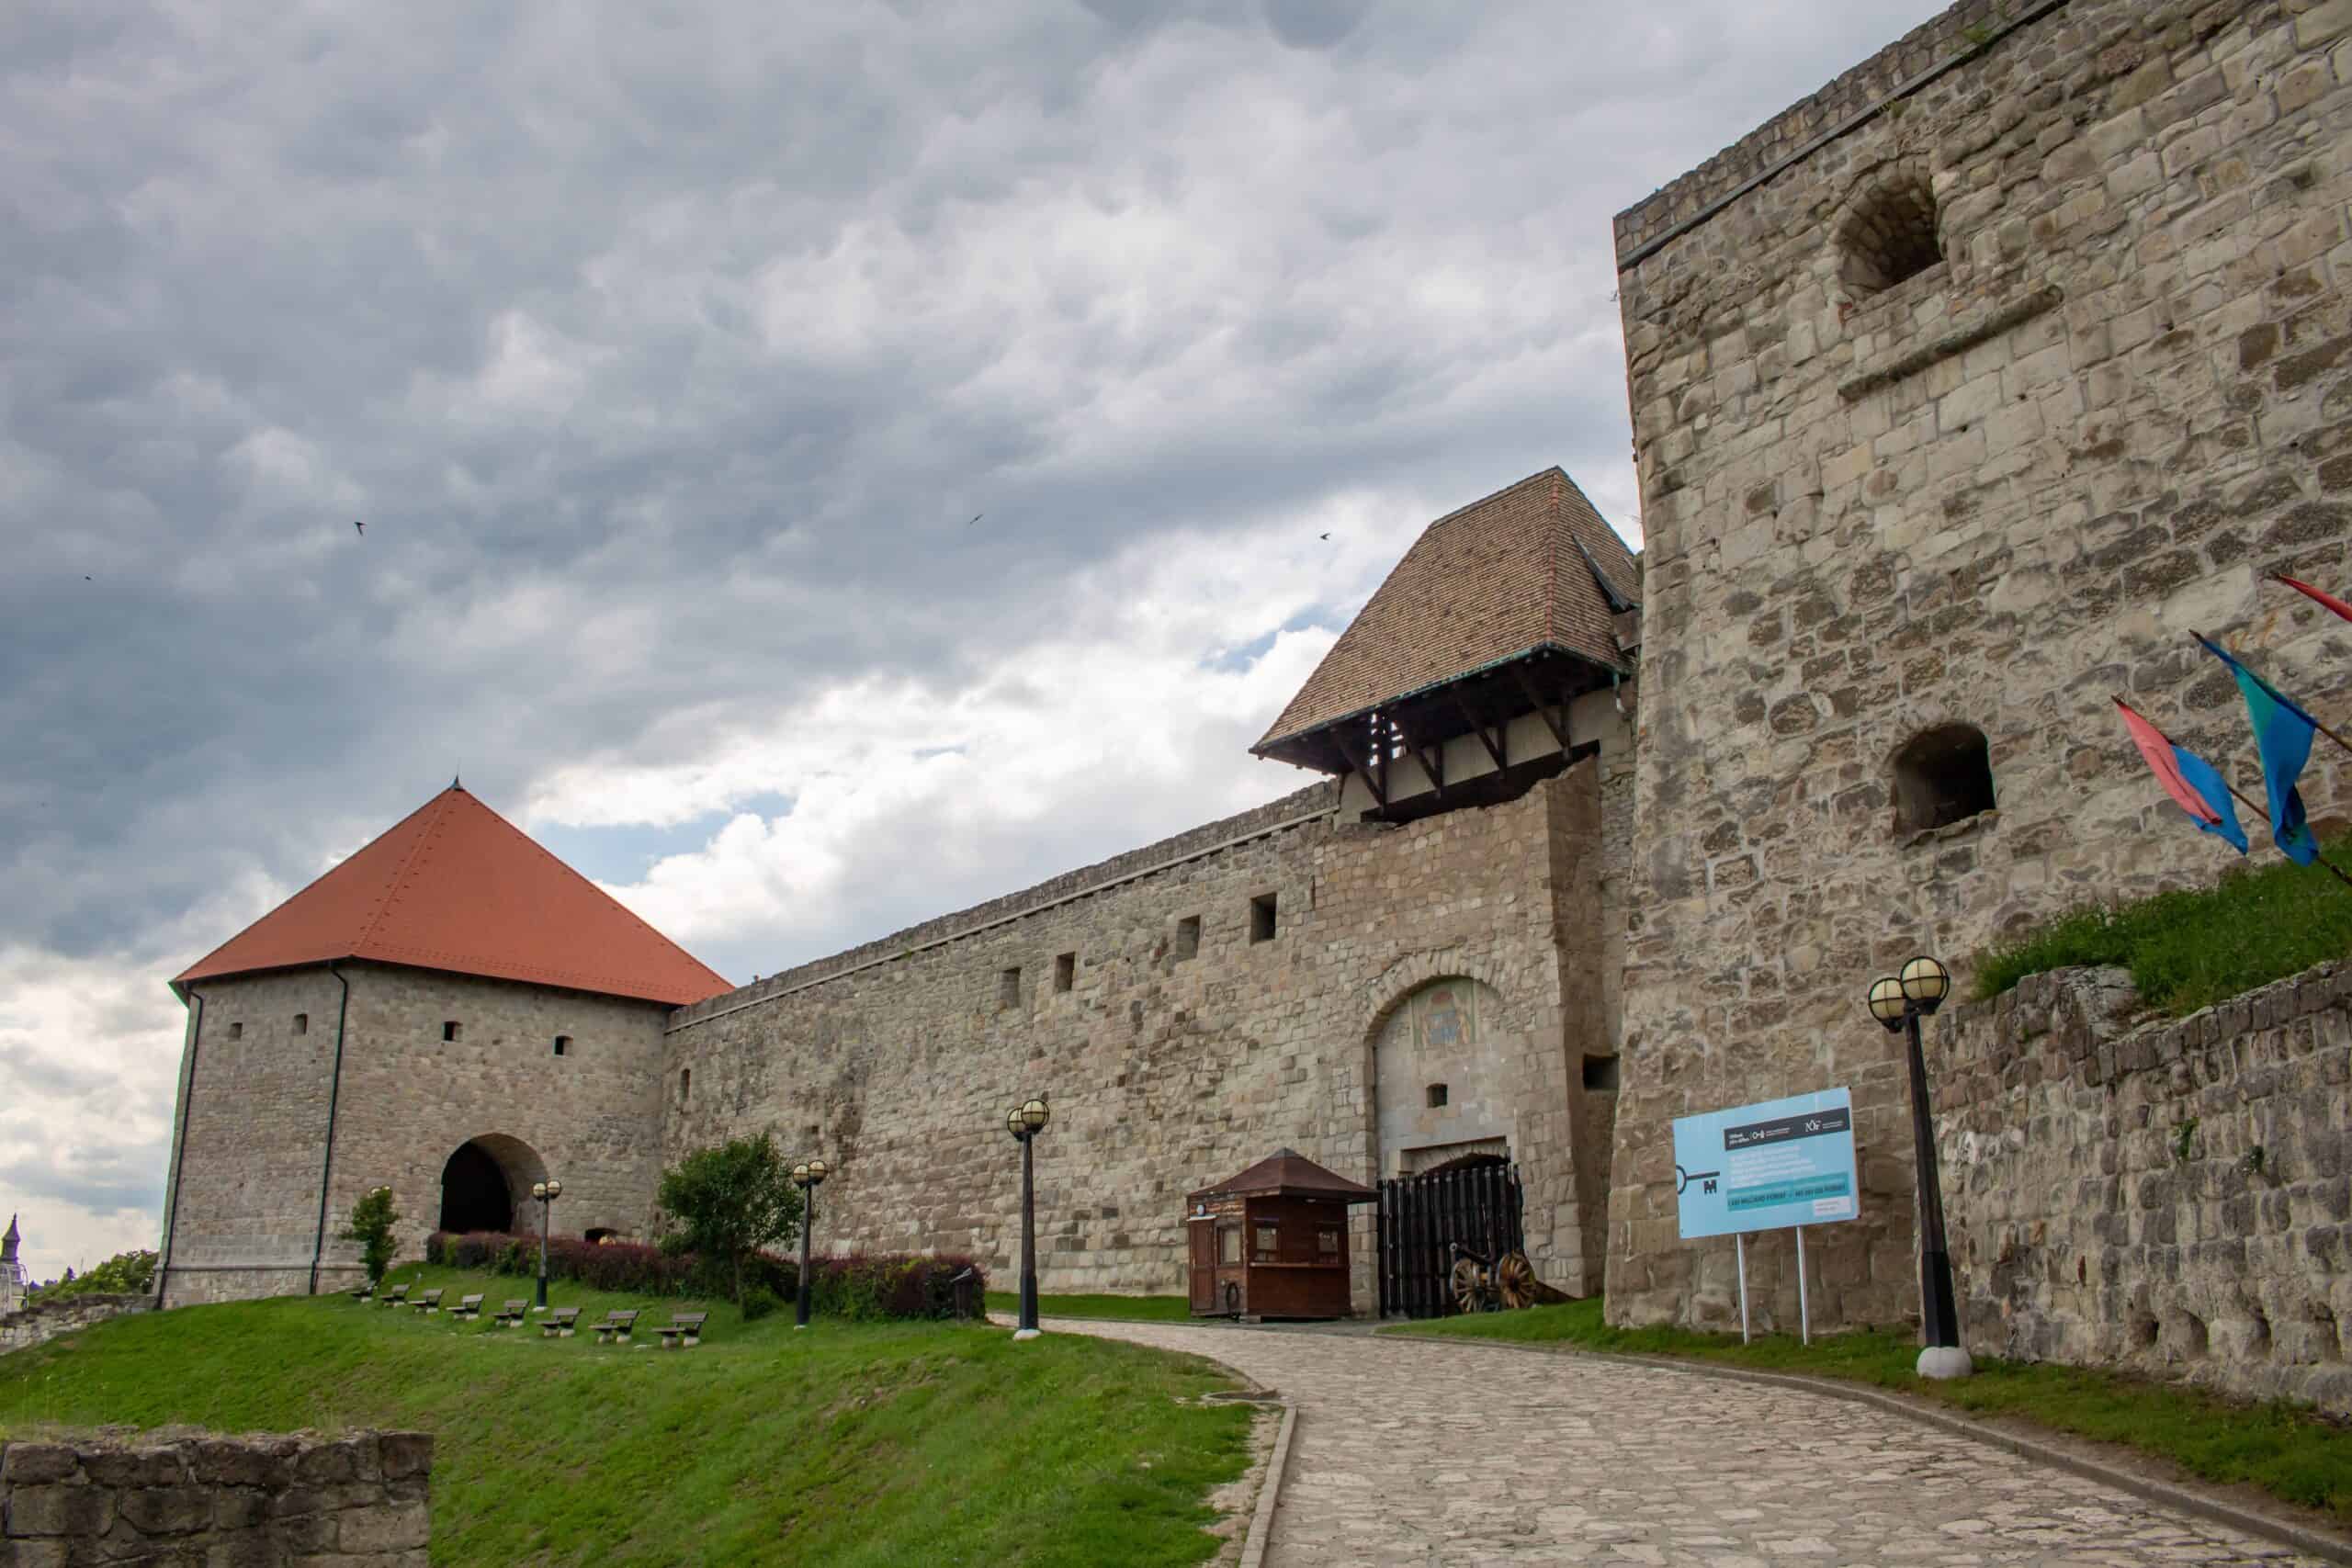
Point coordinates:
[[728, 1203], [126, 1273], [372, 1219]]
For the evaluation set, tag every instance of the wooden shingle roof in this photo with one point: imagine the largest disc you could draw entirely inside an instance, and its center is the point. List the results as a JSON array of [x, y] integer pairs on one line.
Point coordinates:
[[455, 886], [1289, 1174], [1529, 568]]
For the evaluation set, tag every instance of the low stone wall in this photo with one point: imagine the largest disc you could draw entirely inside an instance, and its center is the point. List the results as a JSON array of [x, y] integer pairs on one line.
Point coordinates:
[[2168, 1196], [45, 1317], [358, 1499]]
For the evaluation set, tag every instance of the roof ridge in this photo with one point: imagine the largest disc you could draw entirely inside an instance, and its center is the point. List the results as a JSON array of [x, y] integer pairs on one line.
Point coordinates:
[[399, 873], [1496, 495]]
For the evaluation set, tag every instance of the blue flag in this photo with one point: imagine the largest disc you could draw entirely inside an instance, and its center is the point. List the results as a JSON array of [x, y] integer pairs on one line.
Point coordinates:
[[2192, 781], [2282, 733]]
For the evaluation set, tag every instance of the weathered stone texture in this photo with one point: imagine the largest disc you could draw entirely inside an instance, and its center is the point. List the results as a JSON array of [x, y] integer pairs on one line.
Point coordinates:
[[898, 1061], [255, 1115], [363, 1498], [2169, 1196], [48, 1315], [1990, 494]]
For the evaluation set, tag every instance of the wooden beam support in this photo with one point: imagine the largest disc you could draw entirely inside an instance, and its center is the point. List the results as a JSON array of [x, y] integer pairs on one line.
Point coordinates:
[[1558, 726], [1362, 764], [1432, 762], [1479, 729]]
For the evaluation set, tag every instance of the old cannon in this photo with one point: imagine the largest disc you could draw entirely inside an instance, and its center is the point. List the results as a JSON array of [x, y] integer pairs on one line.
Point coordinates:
[[1480, 1283]]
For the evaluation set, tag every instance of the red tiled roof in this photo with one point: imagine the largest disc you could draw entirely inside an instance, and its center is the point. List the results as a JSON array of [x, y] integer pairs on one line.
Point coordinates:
[[1500, 578], [453, 885], [1286, 1171]]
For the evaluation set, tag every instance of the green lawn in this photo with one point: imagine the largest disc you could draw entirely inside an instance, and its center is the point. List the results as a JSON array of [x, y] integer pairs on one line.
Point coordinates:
[[2287, 1452], [865, 1445], [2187, 951], [1131, 1309]]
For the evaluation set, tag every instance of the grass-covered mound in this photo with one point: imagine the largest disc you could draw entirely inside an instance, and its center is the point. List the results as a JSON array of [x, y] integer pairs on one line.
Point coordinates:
[[2288, 1452], [842, 1444], [2187, 951]]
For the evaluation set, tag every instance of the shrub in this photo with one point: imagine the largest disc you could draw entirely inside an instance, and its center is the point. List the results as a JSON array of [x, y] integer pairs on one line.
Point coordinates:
[[729, 1202], [861, 1287], [372, 1219], [126, 1273], [758, 1301]]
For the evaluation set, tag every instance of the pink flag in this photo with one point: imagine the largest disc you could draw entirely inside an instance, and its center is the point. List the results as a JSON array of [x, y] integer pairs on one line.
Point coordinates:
[[2330, 600]]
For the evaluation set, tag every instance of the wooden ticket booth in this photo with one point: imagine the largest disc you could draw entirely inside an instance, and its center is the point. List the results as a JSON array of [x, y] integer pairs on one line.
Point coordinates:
[[1272, 1242]]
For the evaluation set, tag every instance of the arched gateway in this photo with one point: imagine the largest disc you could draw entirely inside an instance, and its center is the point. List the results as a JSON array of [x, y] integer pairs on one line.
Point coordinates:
[[486, 1185]]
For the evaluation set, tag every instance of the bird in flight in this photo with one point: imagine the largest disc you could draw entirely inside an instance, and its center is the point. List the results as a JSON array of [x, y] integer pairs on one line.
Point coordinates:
[[1323, 535], [976, 517], [361, 526]]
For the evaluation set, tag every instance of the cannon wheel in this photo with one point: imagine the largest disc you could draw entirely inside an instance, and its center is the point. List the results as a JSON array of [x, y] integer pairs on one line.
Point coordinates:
[[1468, 1282], [1516, 1279]]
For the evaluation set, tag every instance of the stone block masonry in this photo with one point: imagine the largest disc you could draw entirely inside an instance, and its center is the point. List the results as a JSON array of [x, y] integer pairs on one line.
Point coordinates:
[[46, 1317], [2168, 1196], [1961, 392], [1181, 1039], [357, 1499]]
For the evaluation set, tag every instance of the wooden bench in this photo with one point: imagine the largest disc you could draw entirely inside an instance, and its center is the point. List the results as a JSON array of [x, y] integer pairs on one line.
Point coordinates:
[[363, 1292], [616, 1328], [513, 1316], [429, 1302], [397, 1296], [467, 1307], [559, 1323], [685, 1329]]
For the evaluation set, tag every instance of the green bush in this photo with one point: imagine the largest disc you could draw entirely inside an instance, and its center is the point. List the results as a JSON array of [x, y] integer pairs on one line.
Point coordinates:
[[372, 1219], [2187, 951], [124, 1274], [726, 1203], [758, 1301]]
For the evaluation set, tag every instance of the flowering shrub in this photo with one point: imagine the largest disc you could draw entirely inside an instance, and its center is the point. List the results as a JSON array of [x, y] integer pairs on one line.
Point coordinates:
[[863, 1286]]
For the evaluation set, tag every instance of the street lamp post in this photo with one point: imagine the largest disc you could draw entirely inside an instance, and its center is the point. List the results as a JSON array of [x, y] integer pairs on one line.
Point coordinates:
[[808, 1175], [1025, 1121], [1900, 1002], [546, 1192]]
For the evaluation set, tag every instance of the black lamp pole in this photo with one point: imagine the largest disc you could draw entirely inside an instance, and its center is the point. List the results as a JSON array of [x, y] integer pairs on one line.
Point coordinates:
[[1899, 1003], [807, 1176], [546, 1192], [1025, 1121]]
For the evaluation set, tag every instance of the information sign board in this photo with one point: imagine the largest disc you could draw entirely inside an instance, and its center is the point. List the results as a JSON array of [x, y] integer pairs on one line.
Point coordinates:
[[1754, 1168]]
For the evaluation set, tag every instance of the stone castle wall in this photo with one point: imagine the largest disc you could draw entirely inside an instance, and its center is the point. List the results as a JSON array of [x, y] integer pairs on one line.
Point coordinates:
[[1175, 1058], [2169, 1196], [48, 1315], [1989, 495], [255, 1115], [357, 1499]]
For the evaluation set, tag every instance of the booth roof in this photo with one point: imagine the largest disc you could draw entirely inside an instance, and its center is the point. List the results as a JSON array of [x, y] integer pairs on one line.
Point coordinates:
[[1286, 1173]]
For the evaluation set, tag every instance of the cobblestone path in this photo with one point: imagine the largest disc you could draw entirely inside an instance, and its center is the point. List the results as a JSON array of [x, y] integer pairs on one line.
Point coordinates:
[[1413, 1456]]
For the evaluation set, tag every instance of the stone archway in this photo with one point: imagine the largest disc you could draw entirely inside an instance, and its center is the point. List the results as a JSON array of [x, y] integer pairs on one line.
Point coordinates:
[[1446, 1062], [486, 1185]]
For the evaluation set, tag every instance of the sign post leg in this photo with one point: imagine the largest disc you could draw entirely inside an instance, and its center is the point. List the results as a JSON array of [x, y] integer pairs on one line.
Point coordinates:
[[1804, 1314], [1739, 1243]]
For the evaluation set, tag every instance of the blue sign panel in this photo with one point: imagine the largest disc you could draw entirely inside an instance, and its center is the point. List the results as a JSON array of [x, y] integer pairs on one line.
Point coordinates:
[[1757, 1168]]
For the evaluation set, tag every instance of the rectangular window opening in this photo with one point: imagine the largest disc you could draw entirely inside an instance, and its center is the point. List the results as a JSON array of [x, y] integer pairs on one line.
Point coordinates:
[[1265, 1242], [1064, 971], [563, 1045], [1188, 937], [1262, 918], [1601, 1073], [449, 1030], [1326, 1241], [1229, 1243], [301, 1024], [236, 1032], [686, 1081], [1436, 1095], [1007, 987]]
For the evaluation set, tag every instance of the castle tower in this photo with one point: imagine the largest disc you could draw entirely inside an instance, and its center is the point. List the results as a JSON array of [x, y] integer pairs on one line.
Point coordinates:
[[13, 1285], [452, 1012]]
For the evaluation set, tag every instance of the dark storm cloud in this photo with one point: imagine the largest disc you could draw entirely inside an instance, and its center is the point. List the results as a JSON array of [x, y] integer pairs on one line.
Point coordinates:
[[665, 354]]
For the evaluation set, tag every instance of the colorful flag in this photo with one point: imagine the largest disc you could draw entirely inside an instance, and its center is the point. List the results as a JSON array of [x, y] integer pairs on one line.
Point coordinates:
[[2188, 778], [2330, 600], [2282, 733]]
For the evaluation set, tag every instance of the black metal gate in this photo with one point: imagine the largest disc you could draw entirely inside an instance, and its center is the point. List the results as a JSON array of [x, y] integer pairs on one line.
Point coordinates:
[[1475, 1202]]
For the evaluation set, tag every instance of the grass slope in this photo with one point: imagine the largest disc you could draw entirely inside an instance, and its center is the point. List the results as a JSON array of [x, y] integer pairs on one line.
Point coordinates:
[[2288, 1452], [1126, 1309], [849, 1445], [2187, 951]]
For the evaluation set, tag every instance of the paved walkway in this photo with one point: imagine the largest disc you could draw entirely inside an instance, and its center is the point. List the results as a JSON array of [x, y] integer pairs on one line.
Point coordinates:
[[1411, 1456]]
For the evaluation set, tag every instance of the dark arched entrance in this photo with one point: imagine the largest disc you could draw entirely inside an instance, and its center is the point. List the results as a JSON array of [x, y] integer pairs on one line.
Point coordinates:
[[484, 1183]]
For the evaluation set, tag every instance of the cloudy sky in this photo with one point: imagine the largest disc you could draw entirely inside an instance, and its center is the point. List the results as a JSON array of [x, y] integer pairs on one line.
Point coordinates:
[[666, 352]]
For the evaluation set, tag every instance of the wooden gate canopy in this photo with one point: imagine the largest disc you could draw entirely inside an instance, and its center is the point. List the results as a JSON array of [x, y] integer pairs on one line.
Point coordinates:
[[1272, 1242]]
